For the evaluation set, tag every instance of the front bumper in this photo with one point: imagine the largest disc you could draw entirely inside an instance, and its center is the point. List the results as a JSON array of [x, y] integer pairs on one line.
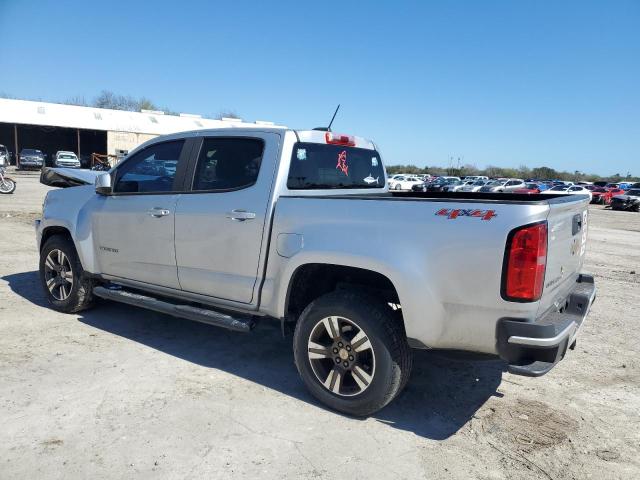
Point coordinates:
[[30, 163], [534, 348]]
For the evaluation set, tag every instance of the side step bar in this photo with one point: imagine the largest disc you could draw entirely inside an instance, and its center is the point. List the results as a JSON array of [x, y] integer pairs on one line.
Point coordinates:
[[189, 312]]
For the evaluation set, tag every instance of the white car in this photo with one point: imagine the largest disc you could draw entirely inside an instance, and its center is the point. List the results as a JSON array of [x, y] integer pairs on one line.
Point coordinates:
[[458, 186], [570, 190], [504, 185], [474, 186], [66, 159], [403, 182]]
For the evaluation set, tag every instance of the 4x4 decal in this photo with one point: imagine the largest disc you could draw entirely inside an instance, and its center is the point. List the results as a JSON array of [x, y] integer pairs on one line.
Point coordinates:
[[453, 213]]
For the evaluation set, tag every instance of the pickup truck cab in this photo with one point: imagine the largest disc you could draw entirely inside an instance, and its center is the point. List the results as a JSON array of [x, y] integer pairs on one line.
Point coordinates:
[[299, 226]]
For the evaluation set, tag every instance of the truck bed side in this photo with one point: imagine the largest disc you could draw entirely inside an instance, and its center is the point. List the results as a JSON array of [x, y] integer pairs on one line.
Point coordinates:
[[446, 269]]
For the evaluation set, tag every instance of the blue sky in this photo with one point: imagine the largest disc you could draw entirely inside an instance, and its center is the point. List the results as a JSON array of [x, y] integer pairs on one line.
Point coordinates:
[[506, 83]]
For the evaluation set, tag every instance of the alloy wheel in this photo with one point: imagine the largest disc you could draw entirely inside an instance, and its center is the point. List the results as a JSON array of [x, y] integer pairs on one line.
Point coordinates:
[[341, 356], [58, 274]]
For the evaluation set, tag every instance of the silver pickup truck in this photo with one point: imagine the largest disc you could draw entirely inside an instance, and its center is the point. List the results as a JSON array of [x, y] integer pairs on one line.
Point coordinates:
[[236, 225]]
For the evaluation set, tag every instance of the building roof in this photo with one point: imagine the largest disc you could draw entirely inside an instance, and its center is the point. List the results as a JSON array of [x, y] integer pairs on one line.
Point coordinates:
[[71, 116]]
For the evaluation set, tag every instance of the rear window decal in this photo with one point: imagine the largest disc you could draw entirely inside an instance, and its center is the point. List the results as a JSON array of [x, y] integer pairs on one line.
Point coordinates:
[[301, 154], [369, 180], [342, 163]]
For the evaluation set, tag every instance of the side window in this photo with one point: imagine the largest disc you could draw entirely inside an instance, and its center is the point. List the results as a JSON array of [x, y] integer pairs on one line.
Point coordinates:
[[228, 163], [150, 171]]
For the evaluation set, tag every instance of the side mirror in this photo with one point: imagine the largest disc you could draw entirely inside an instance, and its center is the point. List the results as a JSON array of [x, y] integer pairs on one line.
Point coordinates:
[[103, 184]]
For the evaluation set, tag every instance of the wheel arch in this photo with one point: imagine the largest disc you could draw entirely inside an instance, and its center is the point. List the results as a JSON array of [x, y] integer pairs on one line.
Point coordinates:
[[53, 230], [312, 280]]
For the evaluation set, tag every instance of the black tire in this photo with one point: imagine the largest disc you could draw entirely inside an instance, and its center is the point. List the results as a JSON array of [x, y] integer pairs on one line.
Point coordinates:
[[8, 187], [80, 296], [385, 332]]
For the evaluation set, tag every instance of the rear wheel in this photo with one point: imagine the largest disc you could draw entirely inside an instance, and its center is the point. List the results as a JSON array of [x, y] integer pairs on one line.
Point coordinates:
[[351, 352], [67, 287]]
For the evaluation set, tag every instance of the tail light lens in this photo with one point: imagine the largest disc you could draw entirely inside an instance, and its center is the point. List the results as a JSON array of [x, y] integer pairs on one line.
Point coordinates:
[[340, 139], [525, 263]]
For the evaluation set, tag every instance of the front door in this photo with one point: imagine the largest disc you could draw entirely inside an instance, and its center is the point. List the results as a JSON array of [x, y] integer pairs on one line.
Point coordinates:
[[220, 223], [134, 227]]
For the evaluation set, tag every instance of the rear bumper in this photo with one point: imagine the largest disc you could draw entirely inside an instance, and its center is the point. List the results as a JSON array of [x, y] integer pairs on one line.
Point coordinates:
[[534, 348]]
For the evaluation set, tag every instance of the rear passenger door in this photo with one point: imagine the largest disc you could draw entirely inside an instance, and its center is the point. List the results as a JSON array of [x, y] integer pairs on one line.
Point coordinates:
[[220, 222]]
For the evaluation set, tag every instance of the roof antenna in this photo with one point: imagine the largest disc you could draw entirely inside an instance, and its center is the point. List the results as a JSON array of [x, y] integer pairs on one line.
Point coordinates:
[[328, 129]]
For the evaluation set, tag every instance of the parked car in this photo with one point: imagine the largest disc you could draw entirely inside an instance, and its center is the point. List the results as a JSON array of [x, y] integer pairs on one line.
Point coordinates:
[[4, 156], [600, 184], [66, 160], [612, 185], [456, 185], [531, 188], [404, 182], [475, 186], [475, 177], [503, 185], [31, 158], [600, 195], [569, 190], [270, 229], [440, 184], [628, 201], [616, 191]]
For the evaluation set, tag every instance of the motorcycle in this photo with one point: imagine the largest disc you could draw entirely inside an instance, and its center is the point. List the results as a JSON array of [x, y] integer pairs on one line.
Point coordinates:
[[7, 185]]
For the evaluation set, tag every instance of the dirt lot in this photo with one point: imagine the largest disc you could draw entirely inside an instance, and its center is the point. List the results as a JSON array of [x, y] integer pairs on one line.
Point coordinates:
[[119, 392]]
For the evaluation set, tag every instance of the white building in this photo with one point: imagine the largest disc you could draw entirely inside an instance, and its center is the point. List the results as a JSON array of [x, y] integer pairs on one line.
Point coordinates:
[[85, 130]]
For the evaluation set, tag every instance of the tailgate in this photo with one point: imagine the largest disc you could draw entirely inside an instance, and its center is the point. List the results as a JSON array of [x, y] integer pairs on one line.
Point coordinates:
[[567, 237]]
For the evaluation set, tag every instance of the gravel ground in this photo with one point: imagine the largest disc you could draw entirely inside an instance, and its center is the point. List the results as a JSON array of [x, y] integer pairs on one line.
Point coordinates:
[[120, 392]]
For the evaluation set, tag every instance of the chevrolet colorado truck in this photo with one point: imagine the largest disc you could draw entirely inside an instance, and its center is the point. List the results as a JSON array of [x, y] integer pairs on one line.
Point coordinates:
[[299, 226]]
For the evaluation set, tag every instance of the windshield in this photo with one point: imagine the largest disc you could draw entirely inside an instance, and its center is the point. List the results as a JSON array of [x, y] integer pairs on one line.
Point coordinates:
[[479, 183], [634, 191], [559, 188], [318, 166], [599, 190], [531, 186], [495, 183], [67, 155], [31, 151]]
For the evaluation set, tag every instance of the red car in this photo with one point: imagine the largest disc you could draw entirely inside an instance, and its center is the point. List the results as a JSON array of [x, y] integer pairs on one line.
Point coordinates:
[[616, 191], [528, 188], [601, 195]]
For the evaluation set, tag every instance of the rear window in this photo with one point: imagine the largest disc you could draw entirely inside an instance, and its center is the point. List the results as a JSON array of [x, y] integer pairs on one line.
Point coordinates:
[[319, 166]]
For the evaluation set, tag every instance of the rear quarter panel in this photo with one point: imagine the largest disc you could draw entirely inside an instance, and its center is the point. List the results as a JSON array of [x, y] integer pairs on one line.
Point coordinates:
[[447, 271]]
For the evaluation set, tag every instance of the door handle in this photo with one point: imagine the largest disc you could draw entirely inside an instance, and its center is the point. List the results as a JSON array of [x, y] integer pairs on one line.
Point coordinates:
[[158, 212], [240, 215]]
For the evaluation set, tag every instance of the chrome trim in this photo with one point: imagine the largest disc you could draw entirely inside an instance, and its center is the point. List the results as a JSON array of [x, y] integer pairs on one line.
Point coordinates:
[[544, 342]]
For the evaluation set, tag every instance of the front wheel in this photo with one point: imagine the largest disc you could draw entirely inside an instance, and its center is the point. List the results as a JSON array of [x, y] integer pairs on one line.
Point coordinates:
[[352, 352], [7, 185], [67, 287]]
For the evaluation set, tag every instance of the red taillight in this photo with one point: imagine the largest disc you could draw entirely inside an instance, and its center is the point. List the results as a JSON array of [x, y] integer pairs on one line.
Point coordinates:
[[340, 139], [526, 258]]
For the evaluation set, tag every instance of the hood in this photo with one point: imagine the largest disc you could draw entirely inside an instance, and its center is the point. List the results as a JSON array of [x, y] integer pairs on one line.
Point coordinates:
[[68, 177]]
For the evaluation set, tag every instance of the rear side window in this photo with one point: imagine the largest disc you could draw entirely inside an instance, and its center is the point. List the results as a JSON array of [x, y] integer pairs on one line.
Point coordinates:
[[151, 170], [319, 166], [228, 163]]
